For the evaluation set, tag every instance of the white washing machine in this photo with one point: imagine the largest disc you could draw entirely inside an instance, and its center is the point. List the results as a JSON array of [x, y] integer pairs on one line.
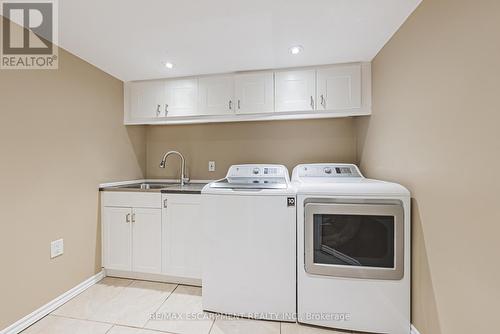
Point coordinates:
[[353, 250], [250, 234]]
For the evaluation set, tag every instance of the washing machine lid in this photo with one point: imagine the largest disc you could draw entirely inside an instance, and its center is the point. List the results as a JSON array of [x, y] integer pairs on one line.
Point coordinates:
[[254, 176]]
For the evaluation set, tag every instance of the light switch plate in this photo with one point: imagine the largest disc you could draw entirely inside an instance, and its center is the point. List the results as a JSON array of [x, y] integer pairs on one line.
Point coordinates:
[[211, 166], [56, 248]]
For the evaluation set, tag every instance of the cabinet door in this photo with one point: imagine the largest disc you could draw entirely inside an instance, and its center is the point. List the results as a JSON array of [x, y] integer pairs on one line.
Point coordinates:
[[117, 238], [339, 87], [216, 95], [254, 93], [295, 90], [181, 97], [147, 99], [146, 240], [182, 235]]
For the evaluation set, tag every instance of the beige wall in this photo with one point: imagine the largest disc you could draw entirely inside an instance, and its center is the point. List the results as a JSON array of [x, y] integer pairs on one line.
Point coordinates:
[[285, 142], [434, 129], [61, 134]]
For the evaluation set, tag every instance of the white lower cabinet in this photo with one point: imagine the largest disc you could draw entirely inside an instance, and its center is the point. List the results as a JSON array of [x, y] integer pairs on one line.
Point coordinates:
[[152, 234], [182, 235], [146, 240], [132, 239], [117, 238]]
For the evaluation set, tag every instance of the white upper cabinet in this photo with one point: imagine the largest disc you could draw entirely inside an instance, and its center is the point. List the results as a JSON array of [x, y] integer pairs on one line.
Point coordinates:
[[146, 99], [339, 87], [313, 92], [295, 90], [181, 97], [254, 93], [216, 95]]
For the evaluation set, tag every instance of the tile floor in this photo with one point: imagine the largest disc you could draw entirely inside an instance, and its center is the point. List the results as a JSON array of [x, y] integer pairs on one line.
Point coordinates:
[[122, 306]]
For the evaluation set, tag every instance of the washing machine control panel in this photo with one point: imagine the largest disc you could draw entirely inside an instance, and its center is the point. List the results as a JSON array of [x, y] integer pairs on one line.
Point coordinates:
[[255, 177], [257, 171]]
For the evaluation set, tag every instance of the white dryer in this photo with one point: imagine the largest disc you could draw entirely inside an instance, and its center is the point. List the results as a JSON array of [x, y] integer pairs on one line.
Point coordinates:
[[249, 255], [353, 250]]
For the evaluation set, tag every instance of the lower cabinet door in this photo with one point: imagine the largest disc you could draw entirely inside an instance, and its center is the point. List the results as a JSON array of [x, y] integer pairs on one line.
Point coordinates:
[[182, 235], [146, 240], [117, 238]]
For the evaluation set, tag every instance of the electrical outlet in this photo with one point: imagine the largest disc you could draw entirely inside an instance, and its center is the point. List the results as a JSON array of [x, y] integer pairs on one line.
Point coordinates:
[[211, 166], [56, 248]]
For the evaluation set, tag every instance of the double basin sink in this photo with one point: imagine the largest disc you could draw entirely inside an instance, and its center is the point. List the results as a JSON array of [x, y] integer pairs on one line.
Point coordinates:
[[164, 187]]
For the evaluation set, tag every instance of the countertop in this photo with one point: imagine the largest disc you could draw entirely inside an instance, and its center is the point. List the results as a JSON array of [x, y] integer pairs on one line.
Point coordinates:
[[157, 186]]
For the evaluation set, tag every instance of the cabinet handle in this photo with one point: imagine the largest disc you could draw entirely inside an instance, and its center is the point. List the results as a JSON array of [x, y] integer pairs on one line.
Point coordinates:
[[127, 219], [133, 218], [239, 104], [323, 101], [166, 109], [158, 110], [165, 203], [230, 104], [312, 102]]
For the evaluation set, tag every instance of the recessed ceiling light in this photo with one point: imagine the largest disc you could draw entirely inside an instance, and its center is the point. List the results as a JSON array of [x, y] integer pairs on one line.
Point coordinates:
[[295, 50], [169, 65]]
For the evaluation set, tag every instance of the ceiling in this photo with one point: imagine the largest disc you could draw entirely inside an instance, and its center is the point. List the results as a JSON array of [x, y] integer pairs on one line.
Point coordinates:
[[131, 40]]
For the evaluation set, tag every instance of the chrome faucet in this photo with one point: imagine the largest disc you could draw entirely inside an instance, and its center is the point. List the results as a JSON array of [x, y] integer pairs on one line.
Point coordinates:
[[163, 164]]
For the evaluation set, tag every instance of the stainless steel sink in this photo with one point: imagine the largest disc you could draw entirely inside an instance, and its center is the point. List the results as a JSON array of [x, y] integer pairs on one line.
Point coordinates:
[[186, 188]]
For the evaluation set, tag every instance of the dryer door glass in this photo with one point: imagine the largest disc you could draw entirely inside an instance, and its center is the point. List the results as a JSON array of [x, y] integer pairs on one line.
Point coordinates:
[[354, 240]]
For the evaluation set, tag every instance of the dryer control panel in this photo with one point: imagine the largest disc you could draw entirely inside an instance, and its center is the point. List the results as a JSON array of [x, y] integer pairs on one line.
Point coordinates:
[[327, 170]]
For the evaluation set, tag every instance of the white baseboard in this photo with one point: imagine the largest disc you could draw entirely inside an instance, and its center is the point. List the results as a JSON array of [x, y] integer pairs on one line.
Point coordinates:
[[414, 330], [46, 309]]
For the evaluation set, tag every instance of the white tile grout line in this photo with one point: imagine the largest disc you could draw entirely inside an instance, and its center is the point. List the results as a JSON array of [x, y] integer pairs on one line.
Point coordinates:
[[106, 323], [74, 318], [177, 285], [212, 326], [170, 294], [161, 304], [139, 328]]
